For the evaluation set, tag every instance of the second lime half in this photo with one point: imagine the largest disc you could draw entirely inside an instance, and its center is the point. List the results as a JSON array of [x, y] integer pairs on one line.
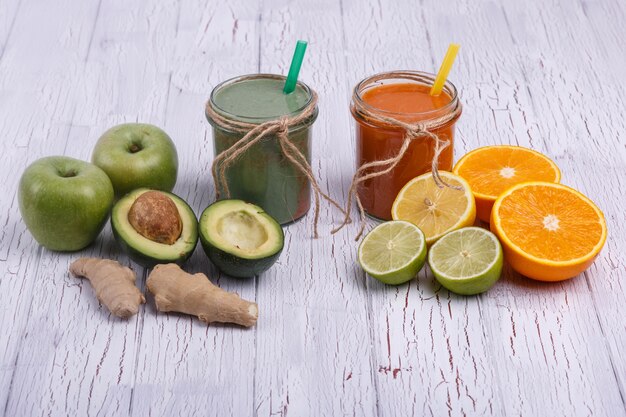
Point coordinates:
[[467, 261]]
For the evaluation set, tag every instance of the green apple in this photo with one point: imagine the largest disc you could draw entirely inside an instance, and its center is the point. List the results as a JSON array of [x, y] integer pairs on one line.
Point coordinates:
[[137, 155], [64, 202]]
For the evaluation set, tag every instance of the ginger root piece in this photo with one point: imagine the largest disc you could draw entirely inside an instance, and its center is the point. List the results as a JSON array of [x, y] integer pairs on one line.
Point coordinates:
[[114, 284], [179, 291]]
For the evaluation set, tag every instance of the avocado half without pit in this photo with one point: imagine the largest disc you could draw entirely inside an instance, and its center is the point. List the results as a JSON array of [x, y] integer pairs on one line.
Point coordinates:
[[154, 227], [240, 238]]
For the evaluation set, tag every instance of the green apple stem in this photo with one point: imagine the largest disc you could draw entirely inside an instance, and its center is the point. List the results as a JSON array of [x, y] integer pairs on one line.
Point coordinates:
[[68, 174]]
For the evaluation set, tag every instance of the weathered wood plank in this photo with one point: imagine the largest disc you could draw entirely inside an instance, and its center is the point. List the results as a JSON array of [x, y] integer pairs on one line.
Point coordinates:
[[605, 20], [330, 341], [313, 357], [75, 358], [185, 367], [567, 353], [8, 14], [29, 130], [582, 59], [432, 354]]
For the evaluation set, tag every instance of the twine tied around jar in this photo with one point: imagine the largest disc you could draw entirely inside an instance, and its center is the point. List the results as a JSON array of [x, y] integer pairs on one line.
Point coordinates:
[[413, 131], [253, 134]]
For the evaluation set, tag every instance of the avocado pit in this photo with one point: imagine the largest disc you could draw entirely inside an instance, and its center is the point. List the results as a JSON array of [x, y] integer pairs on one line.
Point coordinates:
[[155, 216]]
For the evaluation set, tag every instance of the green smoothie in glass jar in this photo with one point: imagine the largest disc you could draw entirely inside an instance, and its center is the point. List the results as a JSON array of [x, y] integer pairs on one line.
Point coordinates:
[[263, 175]]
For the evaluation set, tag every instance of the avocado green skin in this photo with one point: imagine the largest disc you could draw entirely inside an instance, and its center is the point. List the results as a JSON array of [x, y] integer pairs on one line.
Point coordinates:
[[147, 261], [233, 265], [154, 166], [150, 261]]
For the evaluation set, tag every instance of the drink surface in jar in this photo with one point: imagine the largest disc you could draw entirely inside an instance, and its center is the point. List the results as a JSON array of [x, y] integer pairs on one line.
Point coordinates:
[[405, 98], [259, 98], [407, 102], [263, 175]]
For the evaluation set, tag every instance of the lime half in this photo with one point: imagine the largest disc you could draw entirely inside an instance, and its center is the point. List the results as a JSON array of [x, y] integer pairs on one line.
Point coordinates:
[[467, 261], [393, 252]]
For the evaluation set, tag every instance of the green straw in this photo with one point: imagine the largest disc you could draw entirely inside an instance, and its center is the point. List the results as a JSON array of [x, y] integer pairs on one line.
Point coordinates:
[[294, 69]]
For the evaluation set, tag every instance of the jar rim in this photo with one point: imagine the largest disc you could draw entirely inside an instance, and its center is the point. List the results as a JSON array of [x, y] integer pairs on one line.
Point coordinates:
[[257, 120], [422, 77]]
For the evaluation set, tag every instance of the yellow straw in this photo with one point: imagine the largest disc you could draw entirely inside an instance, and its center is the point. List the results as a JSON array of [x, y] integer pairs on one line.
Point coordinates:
[[444, 70]]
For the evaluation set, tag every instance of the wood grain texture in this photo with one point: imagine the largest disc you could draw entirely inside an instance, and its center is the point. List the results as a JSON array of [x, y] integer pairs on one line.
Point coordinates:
[[30, 130], [76, 359], [562, 325], [185, 367], [601, 22], [315, 332], [330, 341], [596, 78], [432, 354]]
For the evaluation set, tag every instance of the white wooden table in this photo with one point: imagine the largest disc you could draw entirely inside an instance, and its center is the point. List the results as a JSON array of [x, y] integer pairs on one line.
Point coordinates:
[[330, 341]]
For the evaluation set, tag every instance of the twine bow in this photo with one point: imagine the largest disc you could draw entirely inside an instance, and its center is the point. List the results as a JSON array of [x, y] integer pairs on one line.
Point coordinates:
[[253, 134], [375, 169]]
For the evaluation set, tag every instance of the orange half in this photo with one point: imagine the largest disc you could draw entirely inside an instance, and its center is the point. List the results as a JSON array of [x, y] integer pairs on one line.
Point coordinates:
[[491, 170], [549, 232]]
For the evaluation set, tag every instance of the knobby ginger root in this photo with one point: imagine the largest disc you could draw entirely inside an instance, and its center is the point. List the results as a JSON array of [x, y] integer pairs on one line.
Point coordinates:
[[179, 291], [114, 284]]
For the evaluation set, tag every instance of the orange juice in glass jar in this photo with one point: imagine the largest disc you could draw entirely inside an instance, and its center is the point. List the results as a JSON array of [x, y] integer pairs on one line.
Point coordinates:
[[403, 96]]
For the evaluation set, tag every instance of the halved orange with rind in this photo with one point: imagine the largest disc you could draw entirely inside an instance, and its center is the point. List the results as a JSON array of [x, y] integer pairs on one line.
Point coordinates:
[[491, 170], [549, 232]]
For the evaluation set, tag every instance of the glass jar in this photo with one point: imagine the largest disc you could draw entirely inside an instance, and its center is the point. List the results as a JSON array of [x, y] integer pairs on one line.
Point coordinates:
[[263, 175], [376, 141]]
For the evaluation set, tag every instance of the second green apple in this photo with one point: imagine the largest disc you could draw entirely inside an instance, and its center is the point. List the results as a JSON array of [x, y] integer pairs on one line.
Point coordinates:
[[137, 155]]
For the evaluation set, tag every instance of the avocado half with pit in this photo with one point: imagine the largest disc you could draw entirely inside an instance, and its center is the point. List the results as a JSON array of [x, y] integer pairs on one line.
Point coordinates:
[[154, 227], [241, 239]]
